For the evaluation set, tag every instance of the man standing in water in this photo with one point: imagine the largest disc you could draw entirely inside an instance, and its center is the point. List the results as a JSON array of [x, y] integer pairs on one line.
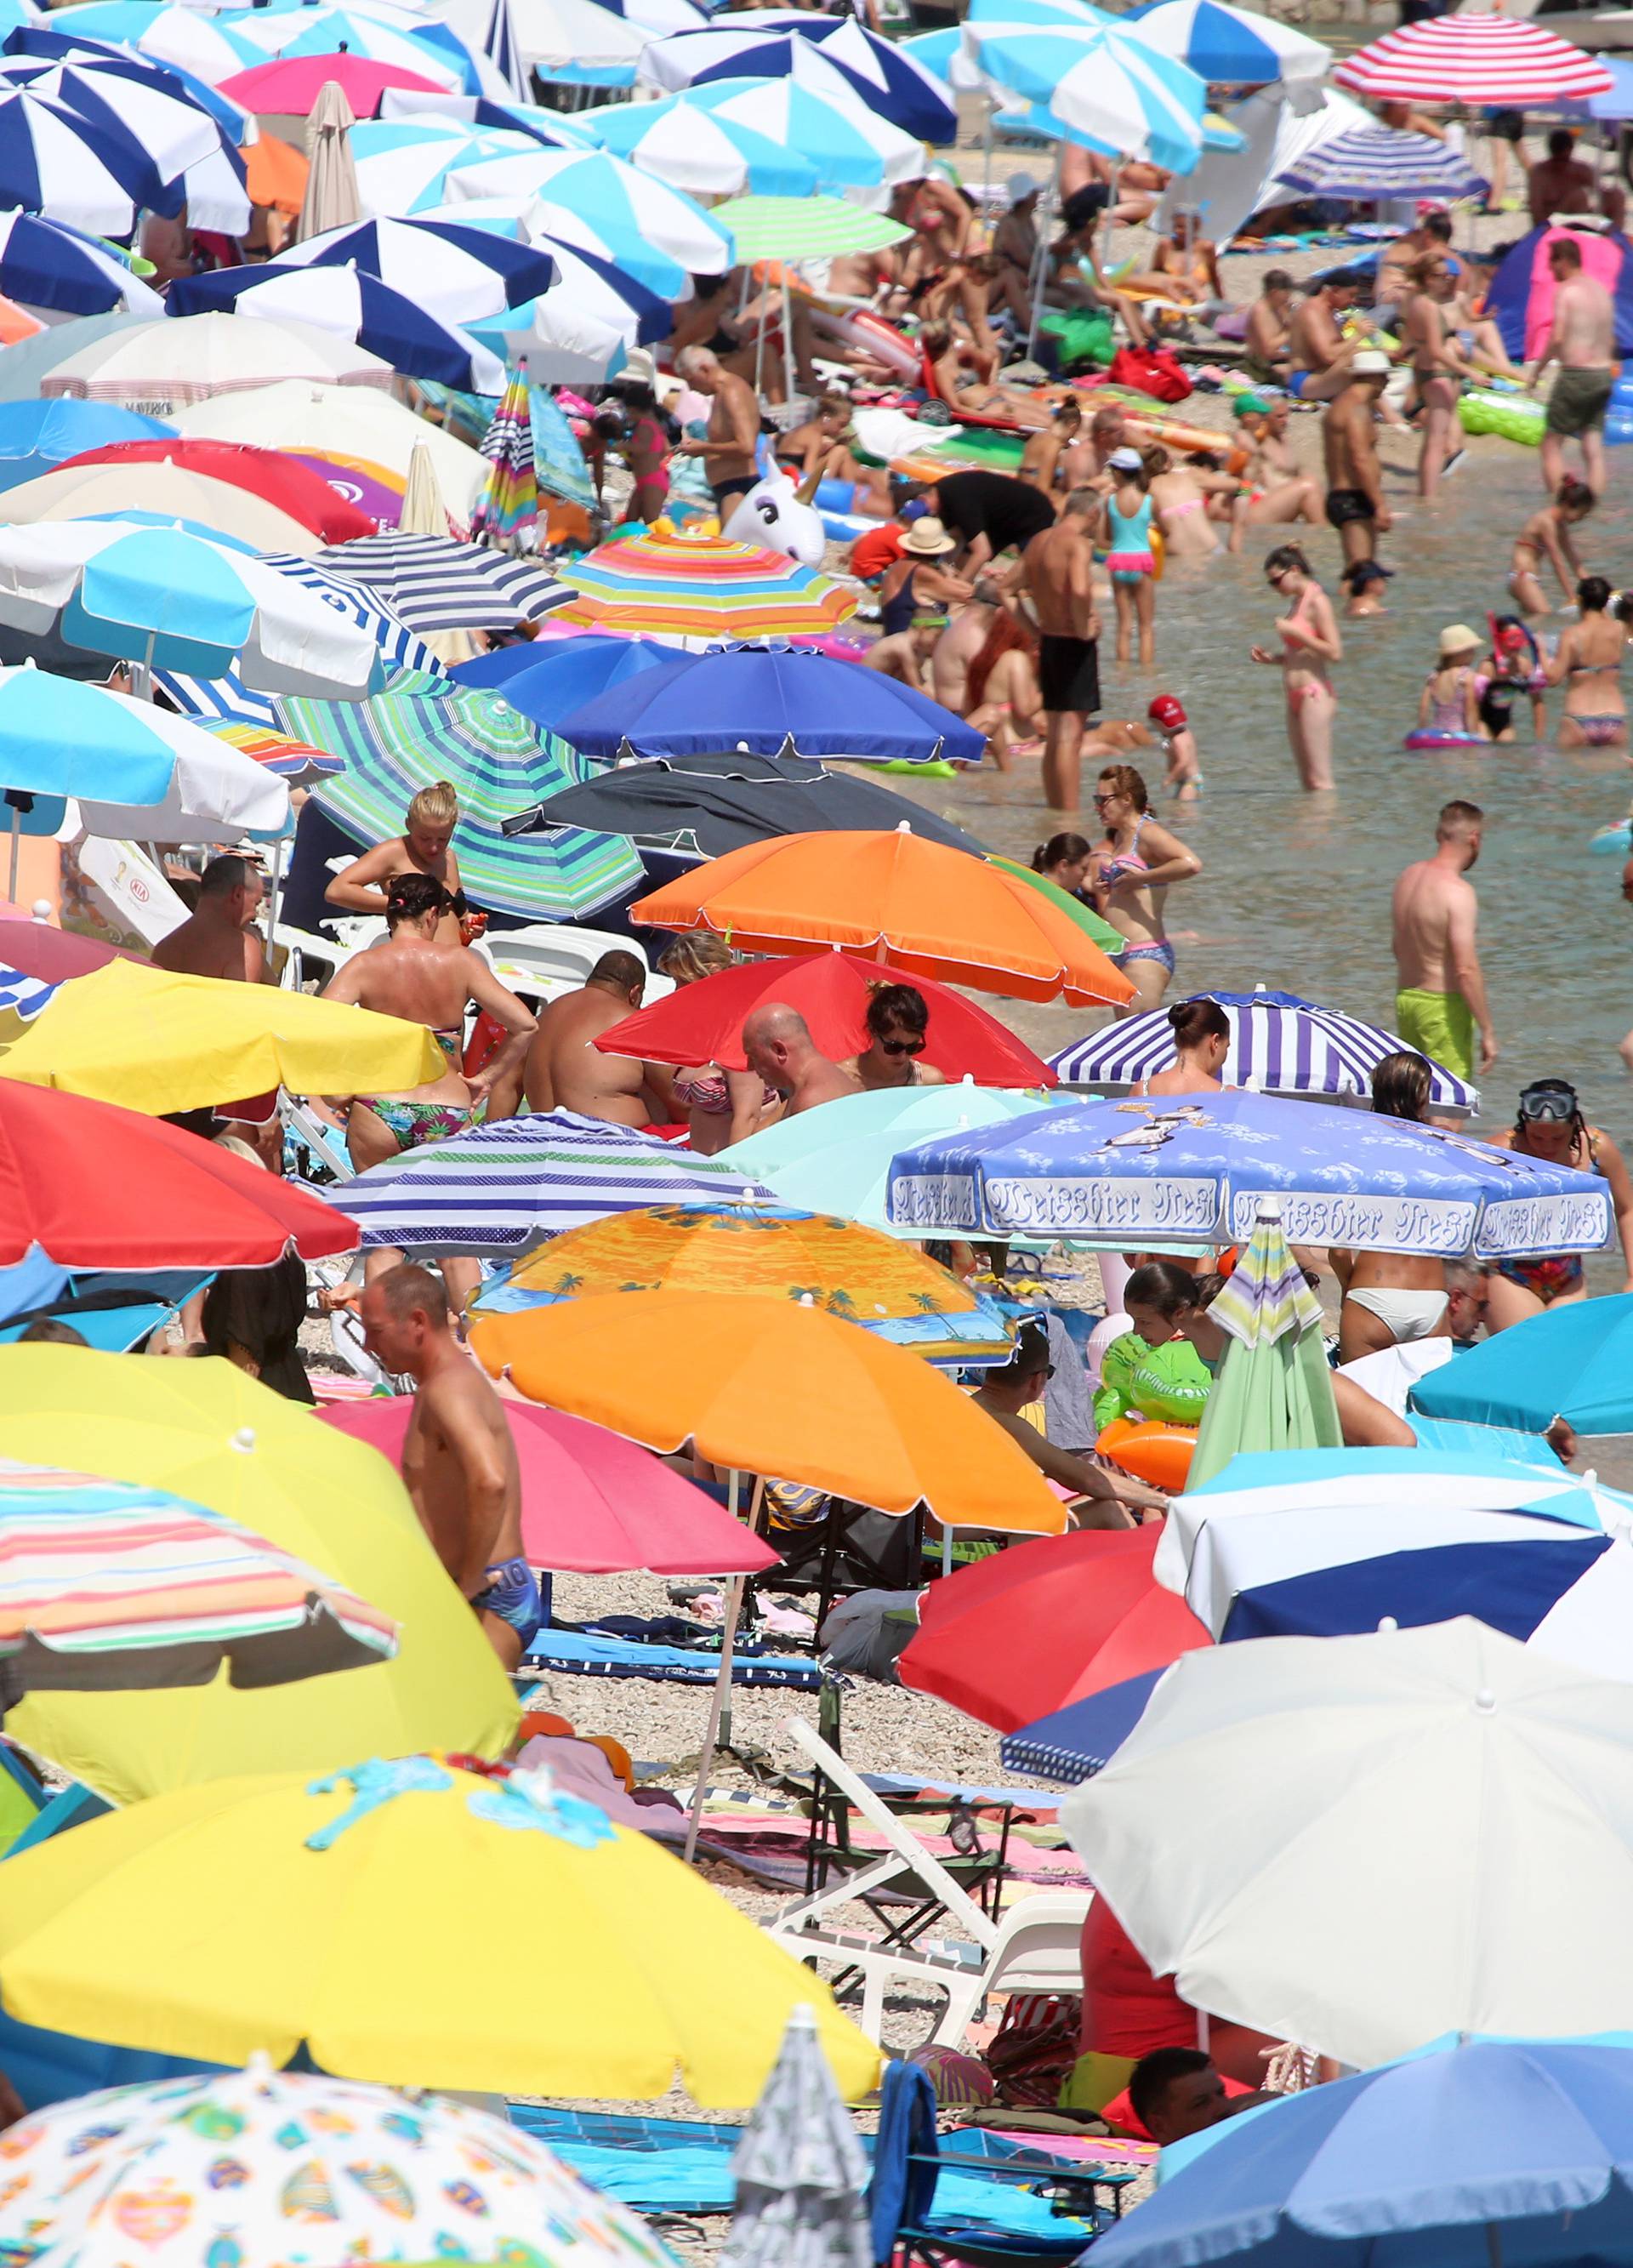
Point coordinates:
[[1058, 569], [1355, 491], [1583, 342], [1442, 996]]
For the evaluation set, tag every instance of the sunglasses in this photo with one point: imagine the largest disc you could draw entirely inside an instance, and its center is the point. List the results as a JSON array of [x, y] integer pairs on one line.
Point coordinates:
[[1099, 802], [902, 1047]]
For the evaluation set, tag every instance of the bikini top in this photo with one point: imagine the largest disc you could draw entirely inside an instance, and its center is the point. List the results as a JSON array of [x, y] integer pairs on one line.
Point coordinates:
[[1124, 862]]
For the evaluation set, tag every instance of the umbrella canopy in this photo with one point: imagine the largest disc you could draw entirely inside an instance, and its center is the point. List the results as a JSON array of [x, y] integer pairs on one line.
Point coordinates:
[[174, 1202], [295, 415], [592, 1503], [289, 487], [1476, 59], [99, 2160], [691, 148], [32, 947], [1195, 1168], [296, 84], [174, 492], [1042, 1624], [87, 173], [932, 911], [874, 71], [397, 743], [770, 701], [1107, 87], [1108, 939], [403, 162], [868, 1422], [638, 1967], [62, 737], [453, 273], [1390, 1821], [1571, 1362], [1280, 1043], [799, 2169], [36, 436], [1377, 161], [351, 305], [580, 333], [106, 1587], [287, 759], [815, 111], [433, 584], [158, 1042], [806, 228], [576, 41], [702, 1022], [331, 198], [547, 681], [371, 490], [45, 265], [275, 174], [507, 511], [771, 1253], [383, 34], [502, 1188], [702, 586], [207, 1432], [165, 365], [1274, 1389], [620, 203], [1228, 47]]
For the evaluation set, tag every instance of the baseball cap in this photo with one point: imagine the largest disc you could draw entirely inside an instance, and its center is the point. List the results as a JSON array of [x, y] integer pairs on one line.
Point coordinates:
[[1169, 712], [1371, 361], [1126, 461], [1250, 405]]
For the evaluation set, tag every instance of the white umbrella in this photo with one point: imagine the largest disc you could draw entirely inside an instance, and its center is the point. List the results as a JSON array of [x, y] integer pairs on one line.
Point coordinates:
[[217, 794], [342, 420], [163, 367], [577, 39], [1360, 1844]]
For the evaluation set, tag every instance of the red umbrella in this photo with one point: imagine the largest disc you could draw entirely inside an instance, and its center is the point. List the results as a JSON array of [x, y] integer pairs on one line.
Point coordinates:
[[703, 1022], [35, 948], [93, 1186], [292, 83], [1015, 1637], [294, 489], [593, 1503]]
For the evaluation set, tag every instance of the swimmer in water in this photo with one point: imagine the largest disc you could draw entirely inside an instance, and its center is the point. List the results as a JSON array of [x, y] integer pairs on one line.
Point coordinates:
[[1449, 705], [1364, 584], [1311, 644], [1510, 670], [1183, 777], [1547, 536], [1132, 871], [1587, 662]]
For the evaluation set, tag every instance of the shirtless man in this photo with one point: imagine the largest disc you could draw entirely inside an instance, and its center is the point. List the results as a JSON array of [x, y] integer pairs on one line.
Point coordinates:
[[780, 1050], [219, 940], [1185, 266], [1583, 342], [959, 643], [907, 656], [728, 448], [1057, 570], [566, 1071], [1354, 494], [1430, 239], [1441, 1002], [1267, 350], [1284, 492], [459, 1460], [1560, 182], [1321, 354]]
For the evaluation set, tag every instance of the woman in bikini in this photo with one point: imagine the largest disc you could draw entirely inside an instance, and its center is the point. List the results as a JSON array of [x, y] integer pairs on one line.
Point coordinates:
[[1438, 364], [1549, 1124], [945, 370], [1046, 454], [1546, 535], [1391, 1297], [1201, 1041], [721, 1106], [647, 437], [424, 847], [1132, 871], [1587, 662], [892, 1054], [1311, 645], [821, 450], [1180, 494]]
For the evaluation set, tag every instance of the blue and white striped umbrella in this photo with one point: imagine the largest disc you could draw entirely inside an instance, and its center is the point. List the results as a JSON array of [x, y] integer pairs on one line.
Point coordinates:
[[596, 198], [498, 1190], [402, 163], [455, 274], [877, 73], [23, 997], [1380, 161], [348, 305], [578, 334], [1279, 1043], [58, 162], [1230, 47], [1108, 87], [228, 700], [122, 99], [42, 264], [174, 79], [322, 31], [690, 147], [187, 39], [813, 111]]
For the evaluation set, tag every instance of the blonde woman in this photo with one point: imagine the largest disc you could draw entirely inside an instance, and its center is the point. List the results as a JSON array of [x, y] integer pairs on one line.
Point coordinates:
[[722, 1106], [424, 847]]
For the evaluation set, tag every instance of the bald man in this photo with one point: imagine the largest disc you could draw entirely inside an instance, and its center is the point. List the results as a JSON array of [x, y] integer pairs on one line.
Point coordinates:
[[777, 1042]]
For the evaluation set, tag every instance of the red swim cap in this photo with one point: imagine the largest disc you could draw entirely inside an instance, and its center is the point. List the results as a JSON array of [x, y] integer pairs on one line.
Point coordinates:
[[1168, 712]]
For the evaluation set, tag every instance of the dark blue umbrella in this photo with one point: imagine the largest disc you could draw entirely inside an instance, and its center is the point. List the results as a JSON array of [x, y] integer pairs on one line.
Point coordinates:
[[769, 700], [549, 680]]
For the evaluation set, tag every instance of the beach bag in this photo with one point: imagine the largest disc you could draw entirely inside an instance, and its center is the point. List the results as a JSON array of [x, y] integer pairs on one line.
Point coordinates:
[[1035, 2047], [1148, 370]]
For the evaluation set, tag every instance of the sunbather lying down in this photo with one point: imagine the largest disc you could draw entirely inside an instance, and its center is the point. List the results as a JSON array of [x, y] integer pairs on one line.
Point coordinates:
[[942, 362]]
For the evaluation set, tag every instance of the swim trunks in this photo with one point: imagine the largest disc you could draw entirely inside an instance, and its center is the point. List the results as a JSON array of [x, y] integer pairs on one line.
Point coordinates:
[[1297, 380], [1345, 505], [512, 1594], [1440, 1026], [723, 491], [1069, 675], [1578, 402]]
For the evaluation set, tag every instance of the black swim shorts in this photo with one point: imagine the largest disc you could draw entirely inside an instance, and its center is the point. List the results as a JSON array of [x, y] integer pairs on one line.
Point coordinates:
[[1068, 673], [723, 491], [1345, 505]]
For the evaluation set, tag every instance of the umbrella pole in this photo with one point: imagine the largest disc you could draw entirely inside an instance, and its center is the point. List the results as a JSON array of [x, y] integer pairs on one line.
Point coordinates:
[[17, 844], [1041, 269], [272, 895], [720, 1707], [787, 339], [142, 677]]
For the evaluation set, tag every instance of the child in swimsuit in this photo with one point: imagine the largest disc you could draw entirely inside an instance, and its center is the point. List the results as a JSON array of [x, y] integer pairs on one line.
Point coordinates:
[[1510, 670], [1449, 705], [1126, 532]]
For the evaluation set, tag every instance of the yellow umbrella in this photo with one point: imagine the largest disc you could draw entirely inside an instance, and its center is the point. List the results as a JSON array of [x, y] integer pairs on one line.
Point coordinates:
[[411, 1924], [207, 1432], [158, 1042]]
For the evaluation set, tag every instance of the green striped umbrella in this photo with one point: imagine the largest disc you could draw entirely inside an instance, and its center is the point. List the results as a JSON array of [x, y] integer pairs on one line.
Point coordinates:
[[805, 228], [499, 763], [1274, 1389]]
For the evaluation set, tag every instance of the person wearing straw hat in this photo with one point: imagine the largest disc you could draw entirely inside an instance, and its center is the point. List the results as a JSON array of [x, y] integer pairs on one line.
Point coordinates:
[[1449, 705], [917, 583]]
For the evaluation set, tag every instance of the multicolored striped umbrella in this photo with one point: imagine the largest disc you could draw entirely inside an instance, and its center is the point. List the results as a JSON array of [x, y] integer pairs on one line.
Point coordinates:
[[291, 759], [702, 586], [507, 511], [106, 1586], [421, 731], [1273, 1390]]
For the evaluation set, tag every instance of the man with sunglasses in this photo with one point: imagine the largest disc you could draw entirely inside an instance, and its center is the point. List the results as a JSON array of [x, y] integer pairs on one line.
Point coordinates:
[[897, 1024]]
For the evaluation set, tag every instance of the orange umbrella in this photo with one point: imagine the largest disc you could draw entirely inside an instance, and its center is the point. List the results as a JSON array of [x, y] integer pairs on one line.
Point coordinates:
[[16, 324], [932, 910], [275, 175]]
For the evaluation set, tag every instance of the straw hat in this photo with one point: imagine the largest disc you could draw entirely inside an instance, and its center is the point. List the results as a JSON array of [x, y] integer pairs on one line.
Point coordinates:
[[928, 539], [1459, 638]]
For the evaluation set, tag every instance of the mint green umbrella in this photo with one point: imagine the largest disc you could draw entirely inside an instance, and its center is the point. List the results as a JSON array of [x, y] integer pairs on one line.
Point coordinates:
[[805, 228], [1274, 1389]]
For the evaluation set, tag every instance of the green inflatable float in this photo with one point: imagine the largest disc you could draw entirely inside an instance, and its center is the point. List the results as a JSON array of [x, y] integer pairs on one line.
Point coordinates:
[[1516, 416]]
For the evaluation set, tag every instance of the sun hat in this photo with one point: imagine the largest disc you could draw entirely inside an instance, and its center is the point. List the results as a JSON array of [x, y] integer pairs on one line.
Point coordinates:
[[1371, 361], [638, 368], [1457, 637], [1126, 461], [927, 538]]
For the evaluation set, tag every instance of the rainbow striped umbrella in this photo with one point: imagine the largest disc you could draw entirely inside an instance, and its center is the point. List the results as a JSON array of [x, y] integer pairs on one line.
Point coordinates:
[[702, 586], [107, 1588], [291, 759], [507, 511]]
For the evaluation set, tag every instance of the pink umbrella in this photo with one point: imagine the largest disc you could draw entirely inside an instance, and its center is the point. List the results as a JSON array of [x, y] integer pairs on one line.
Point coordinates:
[[593, 1503], [293, 83], [36, 948]]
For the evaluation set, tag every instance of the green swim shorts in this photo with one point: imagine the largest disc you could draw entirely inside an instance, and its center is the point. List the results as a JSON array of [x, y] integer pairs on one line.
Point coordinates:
[[1440, 1026], [1578, 402]]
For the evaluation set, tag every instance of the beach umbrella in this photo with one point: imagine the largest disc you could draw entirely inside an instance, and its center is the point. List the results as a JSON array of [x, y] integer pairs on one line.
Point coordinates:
[[1108, 939], [172, 494], [659, 18], [1377, 161], [809, 228], [1280, 1043], [296, 415], [1348, 1484], [1571, 1362], [433, 2168], [159, 595], [931, 911], [702, 586], [841, 1163], [453, 273], [399, 648], [1107, 87], [693, 149], [330, 199], [771, 701], [373, 490], [166, 365], [1391, 1824], [31, 356], [297, 84], [403, 162], [1227, 47], [577, 42], [125, 101], [591, 1503], [349, 303], [702, 1022], [208, 44], [626, 209], [1274, 1389], [30, 947], [771, 1252], [36, 436], [58, 162], [286, 759], [499, 1189], [872, 71], [1474, 59], [395, 36], [433, 584], [641, 1970], [1195, 1168], [579, 333], [547, 681], [44, 265], [207, 1432], [799, 2170], [1044, 1625], [290, 487], [507, 511], [815, 111]]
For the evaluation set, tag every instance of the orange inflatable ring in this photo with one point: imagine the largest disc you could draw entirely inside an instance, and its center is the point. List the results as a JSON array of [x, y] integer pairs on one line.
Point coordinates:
[[1152, 1451]]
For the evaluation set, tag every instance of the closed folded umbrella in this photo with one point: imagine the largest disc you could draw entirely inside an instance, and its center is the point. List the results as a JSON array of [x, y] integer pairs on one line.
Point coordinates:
[[331, 198], [799, 2171], [1274, 1388]]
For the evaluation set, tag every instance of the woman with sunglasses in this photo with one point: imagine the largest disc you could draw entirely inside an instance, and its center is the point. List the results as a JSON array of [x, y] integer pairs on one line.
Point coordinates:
[[1311, 644], [1131, 873], [1549, 1124], [897, 1022]]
